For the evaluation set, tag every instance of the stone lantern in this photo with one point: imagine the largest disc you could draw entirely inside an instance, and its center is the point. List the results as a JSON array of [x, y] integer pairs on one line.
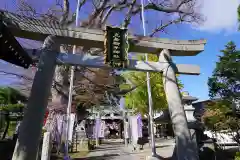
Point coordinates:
[[195, 127], [193, 124], [187, 101]]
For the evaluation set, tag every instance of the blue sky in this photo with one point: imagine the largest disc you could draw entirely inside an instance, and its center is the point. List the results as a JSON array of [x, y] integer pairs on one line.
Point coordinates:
[[219, 28]]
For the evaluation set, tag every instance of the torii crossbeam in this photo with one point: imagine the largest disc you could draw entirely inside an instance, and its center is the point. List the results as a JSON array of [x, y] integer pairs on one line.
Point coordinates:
[[87, 60], [34, 29]]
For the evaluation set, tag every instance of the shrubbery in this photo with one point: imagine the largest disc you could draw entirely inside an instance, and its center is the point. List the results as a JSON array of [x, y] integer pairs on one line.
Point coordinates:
[[237, 156]]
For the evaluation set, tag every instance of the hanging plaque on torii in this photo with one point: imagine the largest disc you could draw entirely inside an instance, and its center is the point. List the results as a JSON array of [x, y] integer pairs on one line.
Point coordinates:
[[116, 47]]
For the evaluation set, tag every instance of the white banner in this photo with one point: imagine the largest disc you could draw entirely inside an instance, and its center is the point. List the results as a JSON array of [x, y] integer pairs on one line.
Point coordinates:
[[71, 125], [97, 127], [134, 129], [102, 129]]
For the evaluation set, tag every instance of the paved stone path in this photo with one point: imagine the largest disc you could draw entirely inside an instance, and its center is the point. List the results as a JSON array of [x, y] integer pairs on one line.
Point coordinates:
[[117, 151]]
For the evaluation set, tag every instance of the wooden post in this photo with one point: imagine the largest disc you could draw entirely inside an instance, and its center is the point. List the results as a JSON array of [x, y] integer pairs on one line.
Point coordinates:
[[97, 129], [184, 147], [125, 127], [31, 127], [46, 147], [76, 141]]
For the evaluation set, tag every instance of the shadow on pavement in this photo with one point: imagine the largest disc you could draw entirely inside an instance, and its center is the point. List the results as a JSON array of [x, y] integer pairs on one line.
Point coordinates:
[[210, 154], [163, 146], [103, 157], [162, 158], [103, 149]]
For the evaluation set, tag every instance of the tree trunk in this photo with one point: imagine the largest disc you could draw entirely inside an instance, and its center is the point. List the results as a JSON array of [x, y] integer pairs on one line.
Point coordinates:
[[58, 104], [60, 91]]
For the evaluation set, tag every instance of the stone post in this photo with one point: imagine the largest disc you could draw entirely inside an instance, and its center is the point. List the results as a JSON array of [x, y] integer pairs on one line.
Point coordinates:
[[184, 148], [46, 147], [31, 127]]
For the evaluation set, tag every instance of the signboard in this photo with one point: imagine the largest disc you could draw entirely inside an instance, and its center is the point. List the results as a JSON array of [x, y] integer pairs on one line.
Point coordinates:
[[116, 47]]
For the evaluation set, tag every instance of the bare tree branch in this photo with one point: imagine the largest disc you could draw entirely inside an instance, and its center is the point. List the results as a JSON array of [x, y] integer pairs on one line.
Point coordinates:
[[102, 86], [128, 17], [93, 17], [119, 6], [64, 17], [185, 10], [153, 6], [163, 26]]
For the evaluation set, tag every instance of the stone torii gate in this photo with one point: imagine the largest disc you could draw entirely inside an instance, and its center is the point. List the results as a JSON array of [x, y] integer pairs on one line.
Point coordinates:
[[53, 35]]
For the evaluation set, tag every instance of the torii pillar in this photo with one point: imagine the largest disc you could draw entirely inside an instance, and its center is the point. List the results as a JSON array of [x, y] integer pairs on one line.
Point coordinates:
[[185, 148], [31, 127]]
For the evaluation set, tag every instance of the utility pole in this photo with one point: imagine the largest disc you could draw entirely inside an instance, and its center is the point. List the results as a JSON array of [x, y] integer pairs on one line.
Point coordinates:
[[125, 127], [31, 127], [150, 103], [71, 88]]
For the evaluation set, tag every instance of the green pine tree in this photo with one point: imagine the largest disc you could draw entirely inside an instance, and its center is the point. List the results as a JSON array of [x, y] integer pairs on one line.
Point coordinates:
[[225, 81]]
